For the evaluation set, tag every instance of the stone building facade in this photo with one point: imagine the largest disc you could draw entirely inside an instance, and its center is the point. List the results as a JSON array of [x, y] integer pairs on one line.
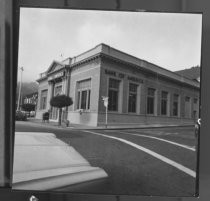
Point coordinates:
[[139, 92]]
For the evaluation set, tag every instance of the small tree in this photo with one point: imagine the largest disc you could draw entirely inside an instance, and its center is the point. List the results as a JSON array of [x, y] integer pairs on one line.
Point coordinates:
[[59, 102], [28, 107]]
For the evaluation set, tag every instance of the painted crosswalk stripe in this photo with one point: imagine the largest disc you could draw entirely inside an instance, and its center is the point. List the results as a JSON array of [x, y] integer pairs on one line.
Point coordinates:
[[152, 153], [160, 139]]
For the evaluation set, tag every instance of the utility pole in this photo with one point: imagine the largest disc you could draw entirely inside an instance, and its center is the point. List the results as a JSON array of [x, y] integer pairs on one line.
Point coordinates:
[[21, 71]]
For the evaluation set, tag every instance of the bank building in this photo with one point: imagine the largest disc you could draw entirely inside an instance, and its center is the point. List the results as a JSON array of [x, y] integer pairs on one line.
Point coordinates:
[[139, 92]]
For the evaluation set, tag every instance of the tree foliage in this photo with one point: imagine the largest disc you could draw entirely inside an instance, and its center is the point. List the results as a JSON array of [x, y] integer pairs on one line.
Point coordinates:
[[28, 107], [61, 101]]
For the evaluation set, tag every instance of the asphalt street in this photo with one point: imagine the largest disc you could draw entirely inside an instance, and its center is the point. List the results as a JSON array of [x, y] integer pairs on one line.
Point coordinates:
[[157, 161]]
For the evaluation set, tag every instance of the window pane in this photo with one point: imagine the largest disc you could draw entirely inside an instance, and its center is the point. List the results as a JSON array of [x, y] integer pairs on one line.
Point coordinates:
[[43, 99], [132, 103], [150, 100], [187, 99], [163, 107], [132, 97], [175, 108], [44, 93], [78, 100], [114, 84], [151, 92], [176, 97], [83, 99], [133, 88], [150, 105], [58, 90], [164, 94], [175, 104], [113, 94], [113, 100], [84, 84], [88, 107], [164, 101]]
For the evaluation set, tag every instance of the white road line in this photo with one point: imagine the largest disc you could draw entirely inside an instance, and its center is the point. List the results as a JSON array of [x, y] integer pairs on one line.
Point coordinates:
[[160, 139], [152, 153], [157, 132]]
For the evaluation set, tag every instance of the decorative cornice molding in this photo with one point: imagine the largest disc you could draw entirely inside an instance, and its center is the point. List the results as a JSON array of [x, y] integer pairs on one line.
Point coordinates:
[[87, 60], [147, 71]]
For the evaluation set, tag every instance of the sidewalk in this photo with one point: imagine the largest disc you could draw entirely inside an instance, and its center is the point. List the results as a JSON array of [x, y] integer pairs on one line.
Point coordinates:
[[44, 162], [52, 124]]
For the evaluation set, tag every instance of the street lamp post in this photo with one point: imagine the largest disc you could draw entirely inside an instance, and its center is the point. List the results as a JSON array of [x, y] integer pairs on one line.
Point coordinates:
[[18, 106]]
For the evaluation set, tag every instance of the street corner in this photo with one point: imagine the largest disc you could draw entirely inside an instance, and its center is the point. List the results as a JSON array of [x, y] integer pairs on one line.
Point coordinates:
[[43, 162]]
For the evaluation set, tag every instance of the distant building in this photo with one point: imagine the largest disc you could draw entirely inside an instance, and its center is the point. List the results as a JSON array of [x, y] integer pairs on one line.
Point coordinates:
[[31, 98], [139, 92]]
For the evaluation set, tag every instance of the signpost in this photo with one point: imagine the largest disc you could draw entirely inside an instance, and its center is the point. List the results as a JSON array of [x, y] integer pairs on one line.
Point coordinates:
[[105, 99]]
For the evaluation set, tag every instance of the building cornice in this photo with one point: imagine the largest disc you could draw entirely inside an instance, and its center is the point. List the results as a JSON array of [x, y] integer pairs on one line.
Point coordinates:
[[105, 51], [87, 60], [182, 80]]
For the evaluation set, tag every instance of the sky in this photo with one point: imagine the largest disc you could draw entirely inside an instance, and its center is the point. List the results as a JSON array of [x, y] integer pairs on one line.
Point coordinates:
[[169, 40]]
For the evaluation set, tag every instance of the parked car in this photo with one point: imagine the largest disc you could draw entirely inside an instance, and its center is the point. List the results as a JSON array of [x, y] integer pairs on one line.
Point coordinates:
[[20, 116]]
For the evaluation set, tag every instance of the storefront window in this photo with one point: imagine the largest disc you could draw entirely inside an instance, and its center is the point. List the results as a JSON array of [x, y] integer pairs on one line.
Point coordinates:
[[132, 97], [113, 94], [43, 99], [83, 94], [151, 101], [175, 104], [164, 102]]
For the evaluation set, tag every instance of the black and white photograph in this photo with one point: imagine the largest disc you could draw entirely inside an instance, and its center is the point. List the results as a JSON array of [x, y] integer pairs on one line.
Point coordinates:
[[108, 102]]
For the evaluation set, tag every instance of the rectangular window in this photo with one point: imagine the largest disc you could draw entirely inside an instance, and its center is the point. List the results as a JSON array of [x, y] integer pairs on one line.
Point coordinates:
[[164, 102], [58, 90], [187, 99], [195, 100], [83, 99], [113, 94], [43, 99], [83, 94], [187, 107], [78, 100], [175, 104], [88, 105], [150, 101], [132, 97]]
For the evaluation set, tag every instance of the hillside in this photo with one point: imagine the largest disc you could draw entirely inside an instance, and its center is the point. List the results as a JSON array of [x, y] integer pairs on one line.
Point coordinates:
[[191, 73], [27, 88]]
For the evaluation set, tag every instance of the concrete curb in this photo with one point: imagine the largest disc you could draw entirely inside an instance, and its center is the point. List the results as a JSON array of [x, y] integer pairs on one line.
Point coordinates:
[[57, 179], [143, 127], [109, 128]]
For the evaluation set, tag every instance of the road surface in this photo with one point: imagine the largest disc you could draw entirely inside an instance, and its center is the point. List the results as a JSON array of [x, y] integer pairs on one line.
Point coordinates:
[[155, 161]]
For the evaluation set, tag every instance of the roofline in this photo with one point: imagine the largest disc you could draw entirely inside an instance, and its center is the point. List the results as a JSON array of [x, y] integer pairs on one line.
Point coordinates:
[[193, 84], [146, 62], [100, 50]]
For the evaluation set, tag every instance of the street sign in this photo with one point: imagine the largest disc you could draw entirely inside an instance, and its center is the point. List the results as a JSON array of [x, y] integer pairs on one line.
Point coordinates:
[[105, 99]]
